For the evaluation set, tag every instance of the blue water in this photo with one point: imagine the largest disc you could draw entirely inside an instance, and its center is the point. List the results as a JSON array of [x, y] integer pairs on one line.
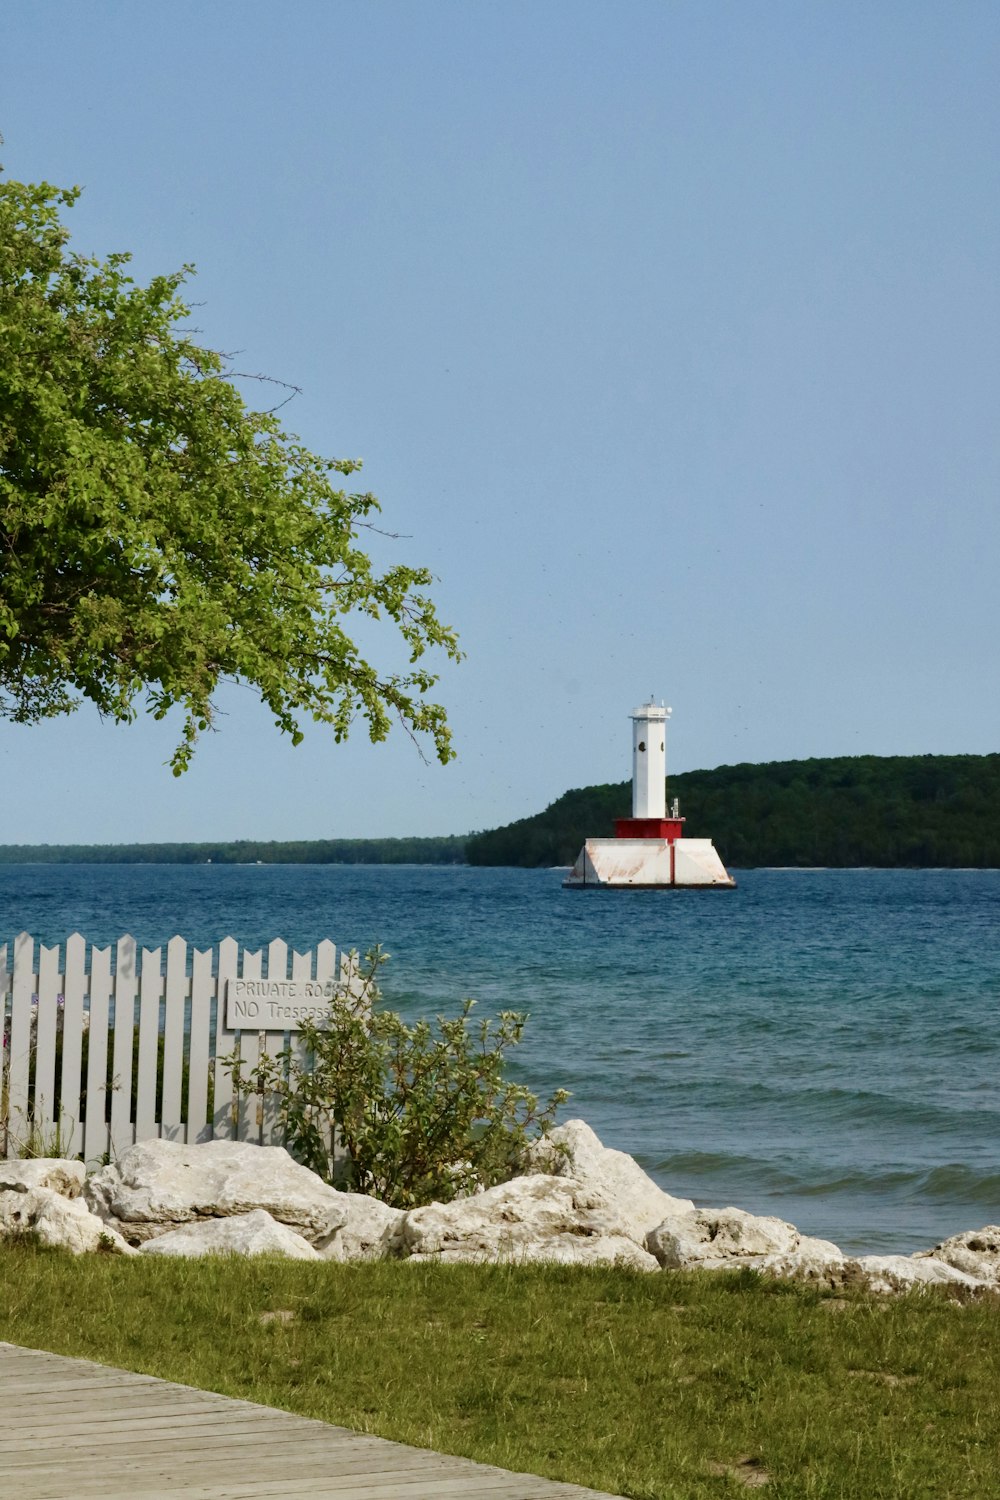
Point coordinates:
[[822, 1045]]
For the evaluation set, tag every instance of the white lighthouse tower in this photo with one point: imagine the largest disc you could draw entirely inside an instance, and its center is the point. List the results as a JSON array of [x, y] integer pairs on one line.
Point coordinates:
[[649, 848], [649, 761]]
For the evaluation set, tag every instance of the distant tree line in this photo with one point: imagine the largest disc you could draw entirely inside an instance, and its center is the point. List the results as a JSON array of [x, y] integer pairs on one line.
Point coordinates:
[[414, 851], [918, 810], [908, 810]]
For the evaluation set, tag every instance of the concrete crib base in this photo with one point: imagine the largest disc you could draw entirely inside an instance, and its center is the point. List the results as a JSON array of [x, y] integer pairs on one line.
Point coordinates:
[[651, 864]]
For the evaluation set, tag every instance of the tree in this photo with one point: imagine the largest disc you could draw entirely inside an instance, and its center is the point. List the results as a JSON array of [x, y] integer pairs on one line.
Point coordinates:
[[157, 535]]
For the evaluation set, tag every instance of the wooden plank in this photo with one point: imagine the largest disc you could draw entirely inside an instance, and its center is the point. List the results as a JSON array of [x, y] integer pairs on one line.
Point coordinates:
[[224, 1121], [122, 1058], [150, 988], [44, 1113], [108, 1434], [159, 1426], [309, 1479], [19, 1054], [96, 1138], [74, 991], [249, 1116], [323, 1483], [231, 1441], [171, 1128], [41, 1403], [280, 1442], [163, 1485], [199, 1127], [110, 1427]]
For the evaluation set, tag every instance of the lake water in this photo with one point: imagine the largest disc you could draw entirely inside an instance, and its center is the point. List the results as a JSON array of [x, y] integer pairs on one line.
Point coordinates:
[[822, 1045]]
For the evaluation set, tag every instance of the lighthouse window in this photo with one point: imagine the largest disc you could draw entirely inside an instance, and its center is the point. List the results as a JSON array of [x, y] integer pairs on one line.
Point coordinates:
[[642, 744]]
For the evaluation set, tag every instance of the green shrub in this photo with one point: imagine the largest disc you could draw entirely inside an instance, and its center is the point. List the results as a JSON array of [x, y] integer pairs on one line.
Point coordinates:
[[408, 1114]]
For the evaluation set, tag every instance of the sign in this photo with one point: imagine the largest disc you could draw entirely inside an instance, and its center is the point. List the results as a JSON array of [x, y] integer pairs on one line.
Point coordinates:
[[277, 1004]]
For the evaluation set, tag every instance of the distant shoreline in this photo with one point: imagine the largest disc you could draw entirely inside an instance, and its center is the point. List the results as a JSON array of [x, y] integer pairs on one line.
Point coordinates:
[[446, 850], [37, 856], [914, 812]]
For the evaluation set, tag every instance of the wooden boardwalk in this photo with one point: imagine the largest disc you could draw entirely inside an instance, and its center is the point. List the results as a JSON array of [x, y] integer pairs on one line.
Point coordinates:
[[71, 1429]]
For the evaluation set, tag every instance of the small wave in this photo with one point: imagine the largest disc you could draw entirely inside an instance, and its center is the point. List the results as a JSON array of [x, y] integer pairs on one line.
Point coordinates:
[[875, 1183], [957, 1183], [828, 1107], [800, 1106], [954, 1183], [694, 1165]]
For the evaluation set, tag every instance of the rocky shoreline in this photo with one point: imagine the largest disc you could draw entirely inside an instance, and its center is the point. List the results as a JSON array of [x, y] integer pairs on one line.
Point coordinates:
[[580, 1204]]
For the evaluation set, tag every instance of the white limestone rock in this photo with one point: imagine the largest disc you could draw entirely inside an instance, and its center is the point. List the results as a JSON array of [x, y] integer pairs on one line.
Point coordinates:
[[156, 1186], [61, 1175], [727, 1238], [59, 1222], [539, 1217], [371, 1230], [974, 1251], [255, 1233], [812, 1262], [574, 1150], [901, 1273]]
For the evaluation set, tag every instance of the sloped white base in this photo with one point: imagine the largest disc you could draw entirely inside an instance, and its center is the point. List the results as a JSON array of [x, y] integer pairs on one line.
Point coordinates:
[[648, 862]]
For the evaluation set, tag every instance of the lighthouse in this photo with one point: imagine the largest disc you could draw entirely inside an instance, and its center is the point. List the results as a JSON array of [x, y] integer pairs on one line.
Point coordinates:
[[649, 849], [649, 761]]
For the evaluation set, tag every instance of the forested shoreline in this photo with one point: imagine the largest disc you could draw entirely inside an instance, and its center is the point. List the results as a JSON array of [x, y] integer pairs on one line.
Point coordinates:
[[449, 850], [884, 811]]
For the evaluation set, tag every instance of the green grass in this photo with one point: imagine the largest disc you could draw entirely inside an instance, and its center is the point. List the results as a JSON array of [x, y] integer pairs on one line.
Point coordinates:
[[648, 1386]]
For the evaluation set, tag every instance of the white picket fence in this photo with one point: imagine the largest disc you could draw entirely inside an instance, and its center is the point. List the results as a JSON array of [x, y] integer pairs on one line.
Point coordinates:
[[128, 1008]]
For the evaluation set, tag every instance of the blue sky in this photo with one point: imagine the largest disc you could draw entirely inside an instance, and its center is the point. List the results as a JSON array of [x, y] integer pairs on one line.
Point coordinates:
[[668, 334]]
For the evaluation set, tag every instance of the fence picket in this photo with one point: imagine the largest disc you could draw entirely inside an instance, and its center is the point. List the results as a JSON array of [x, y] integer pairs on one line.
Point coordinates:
[[150, 986], [122, 1127], [5, 1028], [19, 1049], [249, 1116], [74, 990], [144, 1024], [271, 1045], [326, 969], [171, 1128], [350, 972], [95, 1135], [44, 1114], [199, 1127], [326, 960], [291, 1043], [224, 1113]]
